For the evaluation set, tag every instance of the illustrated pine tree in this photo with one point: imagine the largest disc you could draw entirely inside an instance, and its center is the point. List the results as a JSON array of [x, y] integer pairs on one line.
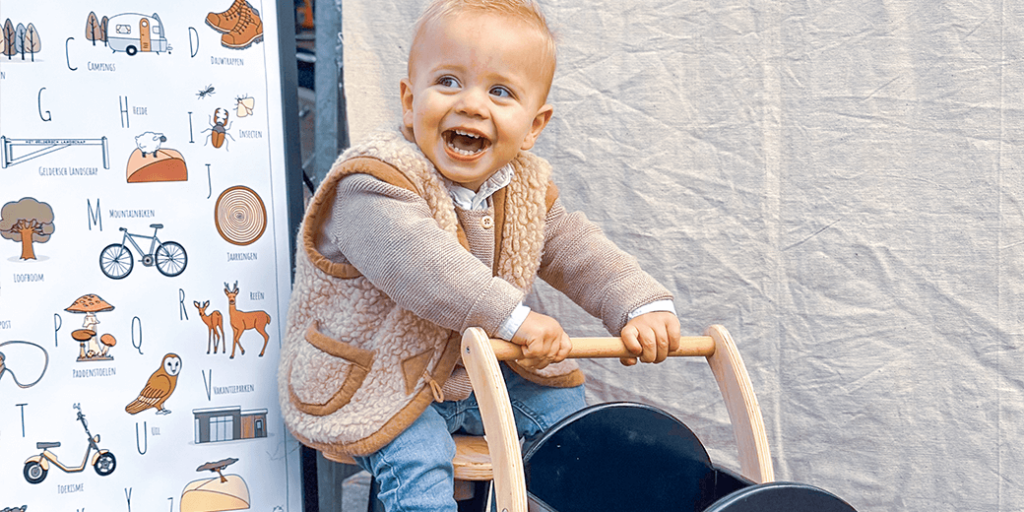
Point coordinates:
[[9, 39], [19, 40], [93, 31], [103, 30], [32, 42]]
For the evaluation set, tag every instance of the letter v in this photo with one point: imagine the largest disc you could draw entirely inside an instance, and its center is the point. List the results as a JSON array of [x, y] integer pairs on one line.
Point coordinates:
[[209, 385]]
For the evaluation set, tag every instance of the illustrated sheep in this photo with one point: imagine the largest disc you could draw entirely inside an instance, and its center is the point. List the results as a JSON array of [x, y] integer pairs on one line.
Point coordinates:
[[149, 142]]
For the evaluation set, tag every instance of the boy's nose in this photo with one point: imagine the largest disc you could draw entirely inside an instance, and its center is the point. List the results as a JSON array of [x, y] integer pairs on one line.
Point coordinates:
[[473, 103]]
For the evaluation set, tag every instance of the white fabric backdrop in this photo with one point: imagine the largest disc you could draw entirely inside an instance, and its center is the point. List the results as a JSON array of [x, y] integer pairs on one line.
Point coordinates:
[[838, 183]]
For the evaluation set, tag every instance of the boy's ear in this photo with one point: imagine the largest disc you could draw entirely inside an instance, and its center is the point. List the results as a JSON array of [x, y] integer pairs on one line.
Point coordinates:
[[539, 122], [406, 93]]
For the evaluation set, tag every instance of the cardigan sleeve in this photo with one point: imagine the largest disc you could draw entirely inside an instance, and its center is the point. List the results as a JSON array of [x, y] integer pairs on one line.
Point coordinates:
[[389, 235], [581, 262]]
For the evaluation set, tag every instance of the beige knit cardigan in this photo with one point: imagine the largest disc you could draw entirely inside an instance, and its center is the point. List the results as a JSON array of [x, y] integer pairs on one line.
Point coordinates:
[[355, 368]]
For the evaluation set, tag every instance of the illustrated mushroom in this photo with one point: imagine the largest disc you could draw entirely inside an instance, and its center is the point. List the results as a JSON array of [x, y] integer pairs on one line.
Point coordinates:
[[108, 341], [90, 304], [82, 336]]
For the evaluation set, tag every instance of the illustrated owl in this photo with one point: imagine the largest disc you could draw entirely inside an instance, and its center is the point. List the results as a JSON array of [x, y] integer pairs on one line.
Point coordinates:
[[158, 388]]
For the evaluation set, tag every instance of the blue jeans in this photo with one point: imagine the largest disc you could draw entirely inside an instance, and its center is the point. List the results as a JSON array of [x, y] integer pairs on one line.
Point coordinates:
[[415, 469]]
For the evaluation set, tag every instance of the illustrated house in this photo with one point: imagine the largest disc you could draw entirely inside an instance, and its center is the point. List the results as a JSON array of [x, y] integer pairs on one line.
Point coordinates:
[[228, 424]]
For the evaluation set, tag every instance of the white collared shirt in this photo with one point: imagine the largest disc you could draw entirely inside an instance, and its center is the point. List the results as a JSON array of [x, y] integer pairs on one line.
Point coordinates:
[[468, 200]]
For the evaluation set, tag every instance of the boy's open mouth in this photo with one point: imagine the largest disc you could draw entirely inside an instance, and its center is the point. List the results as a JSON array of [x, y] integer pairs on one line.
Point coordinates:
[[465, 143]]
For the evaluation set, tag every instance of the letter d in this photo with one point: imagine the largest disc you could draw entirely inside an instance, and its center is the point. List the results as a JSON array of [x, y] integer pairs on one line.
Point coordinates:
[[194, 48]]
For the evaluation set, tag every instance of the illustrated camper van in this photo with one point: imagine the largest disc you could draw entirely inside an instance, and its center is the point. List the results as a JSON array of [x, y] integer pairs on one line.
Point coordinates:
[[133, 33]]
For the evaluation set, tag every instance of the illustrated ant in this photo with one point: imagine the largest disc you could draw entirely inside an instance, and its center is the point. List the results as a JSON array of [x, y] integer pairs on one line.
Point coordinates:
[[219, 127], [208, 91]]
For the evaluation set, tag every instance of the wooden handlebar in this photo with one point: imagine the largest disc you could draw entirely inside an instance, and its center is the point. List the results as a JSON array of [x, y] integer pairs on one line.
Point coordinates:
[[689, 346]]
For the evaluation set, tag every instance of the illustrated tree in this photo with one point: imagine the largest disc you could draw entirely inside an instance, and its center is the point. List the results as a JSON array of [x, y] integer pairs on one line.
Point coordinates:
[[93, 31], [9, 39], [3, 44], [103, 29], [19, 40], [27, 221], [32, 42]]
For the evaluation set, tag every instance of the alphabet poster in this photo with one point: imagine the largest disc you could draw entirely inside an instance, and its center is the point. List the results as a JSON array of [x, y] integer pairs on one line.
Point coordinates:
[[144, 259]]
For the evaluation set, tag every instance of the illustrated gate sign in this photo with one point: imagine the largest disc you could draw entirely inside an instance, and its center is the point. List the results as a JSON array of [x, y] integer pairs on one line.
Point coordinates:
[[144, 257]]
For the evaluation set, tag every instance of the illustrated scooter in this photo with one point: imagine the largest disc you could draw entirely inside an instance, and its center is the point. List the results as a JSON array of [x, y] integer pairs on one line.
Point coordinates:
[[37, 465]]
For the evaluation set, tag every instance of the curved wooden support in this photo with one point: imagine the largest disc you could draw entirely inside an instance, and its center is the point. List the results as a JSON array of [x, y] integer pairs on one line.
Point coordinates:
[[499, 424], [744, 412]]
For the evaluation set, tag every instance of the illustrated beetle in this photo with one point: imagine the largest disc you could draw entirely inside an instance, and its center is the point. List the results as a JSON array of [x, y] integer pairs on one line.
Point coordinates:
[[218, 129]]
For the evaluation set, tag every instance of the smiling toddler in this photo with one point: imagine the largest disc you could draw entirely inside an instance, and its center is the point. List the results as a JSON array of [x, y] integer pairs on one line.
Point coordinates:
[[419, 233]]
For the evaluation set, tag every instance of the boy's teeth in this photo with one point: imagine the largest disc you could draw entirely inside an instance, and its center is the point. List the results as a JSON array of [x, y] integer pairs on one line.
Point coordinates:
[[465, 143], [463, 152]]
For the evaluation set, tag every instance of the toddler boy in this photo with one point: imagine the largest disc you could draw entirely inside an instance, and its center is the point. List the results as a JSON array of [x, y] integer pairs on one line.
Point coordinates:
[[417, 235]]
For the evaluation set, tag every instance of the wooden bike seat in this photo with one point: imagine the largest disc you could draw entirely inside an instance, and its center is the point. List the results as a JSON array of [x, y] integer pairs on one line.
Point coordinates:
[[472, 461]]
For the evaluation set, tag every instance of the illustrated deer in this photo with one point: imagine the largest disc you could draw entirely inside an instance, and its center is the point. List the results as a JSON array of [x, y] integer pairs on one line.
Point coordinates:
[[213, 322], [242, 321]]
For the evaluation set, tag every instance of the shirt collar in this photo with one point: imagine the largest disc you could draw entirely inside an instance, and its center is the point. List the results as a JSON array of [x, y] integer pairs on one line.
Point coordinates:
[[468, 200]]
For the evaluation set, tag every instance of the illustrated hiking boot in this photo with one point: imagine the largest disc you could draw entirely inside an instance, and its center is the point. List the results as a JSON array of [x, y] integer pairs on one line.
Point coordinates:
[[225, 21], [248, 30]]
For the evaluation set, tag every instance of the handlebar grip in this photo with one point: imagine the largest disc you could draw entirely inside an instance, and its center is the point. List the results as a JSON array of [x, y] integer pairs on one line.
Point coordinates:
[[689, 346]]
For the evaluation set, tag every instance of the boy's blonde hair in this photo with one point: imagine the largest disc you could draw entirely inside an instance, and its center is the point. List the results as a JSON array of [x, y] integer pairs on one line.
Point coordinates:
[[526, 11]]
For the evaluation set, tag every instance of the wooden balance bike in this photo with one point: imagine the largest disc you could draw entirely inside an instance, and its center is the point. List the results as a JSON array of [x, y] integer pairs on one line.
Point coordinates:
[[625, 456]]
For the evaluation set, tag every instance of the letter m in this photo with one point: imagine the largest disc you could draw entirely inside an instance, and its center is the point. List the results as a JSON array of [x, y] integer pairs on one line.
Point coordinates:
[[94, 217]]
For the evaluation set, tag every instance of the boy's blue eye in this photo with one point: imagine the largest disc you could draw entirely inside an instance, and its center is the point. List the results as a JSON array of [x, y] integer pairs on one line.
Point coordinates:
[[448, 81], [501, 92]]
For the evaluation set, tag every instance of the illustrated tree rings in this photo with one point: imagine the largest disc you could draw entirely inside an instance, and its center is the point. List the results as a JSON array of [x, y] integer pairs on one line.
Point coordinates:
[[240, 215]]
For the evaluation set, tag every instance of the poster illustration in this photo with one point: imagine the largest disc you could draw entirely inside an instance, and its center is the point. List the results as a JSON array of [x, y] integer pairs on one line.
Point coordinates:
[[143, 226]]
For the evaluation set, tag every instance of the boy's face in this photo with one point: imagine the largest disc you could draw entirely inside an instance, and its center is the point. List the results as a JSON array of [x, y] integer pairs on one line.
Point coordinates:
[[475, 94]]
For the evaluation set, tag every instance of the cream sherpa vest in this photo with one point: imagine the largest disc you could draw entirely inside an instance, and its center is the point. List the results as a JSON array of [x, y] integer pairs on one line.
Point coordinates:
[[356, 369]]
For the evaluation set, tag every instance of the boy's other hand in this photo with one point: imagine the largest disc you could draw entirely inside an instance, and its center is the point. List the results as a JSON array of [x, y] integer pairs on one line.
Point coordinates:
[[543, 340], [651, 336]]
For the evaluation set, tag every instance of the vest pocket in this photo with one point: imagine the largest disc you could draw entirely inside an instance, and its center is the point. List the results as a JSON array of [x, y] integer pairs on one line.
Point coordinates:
[[325, 373]]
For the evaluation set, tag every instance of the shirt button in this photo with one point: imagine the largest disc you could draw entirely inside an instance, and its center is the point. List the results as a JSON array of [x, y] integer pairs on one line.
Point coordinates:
[[487, 222]]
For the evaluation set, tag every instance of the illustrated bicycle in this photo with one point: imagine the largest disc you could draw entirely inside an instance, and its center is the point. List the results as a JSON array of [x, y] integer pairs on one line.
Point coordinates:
[[116, 260]]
